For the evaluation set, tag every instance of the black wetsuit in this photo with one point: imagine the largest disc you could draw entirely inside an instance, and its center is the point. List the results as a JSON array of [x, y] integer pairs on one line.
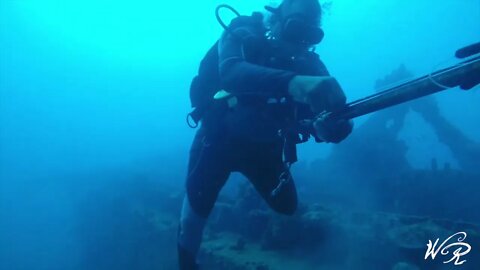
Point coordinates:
[[245, 138]]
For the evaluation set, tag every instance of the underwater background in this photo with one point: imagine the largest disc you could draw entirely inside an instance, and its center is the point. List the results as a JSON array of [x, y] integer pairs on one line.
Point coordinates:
[[94, 143]]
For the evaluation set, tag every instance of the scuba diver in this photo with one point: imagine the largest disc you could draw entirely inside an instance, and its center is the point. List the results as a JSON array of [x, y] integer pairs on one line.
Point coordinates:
[[254, 88]]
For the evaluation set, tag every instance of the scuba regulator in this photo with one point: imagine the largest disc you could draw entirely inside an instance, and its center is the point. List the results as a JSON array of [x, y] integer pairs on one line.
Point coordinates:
[[294, 28]]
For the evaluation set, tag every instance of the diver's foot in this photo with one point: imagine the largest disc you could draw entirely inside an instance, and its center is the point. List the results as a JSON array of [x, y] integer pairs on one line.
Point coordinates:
[[186, 261]]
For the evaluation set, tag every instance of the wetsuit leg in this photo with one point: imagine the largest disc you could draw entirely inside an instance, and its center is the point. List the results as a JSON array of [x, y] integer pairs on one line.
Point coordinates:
[[208, 171], [264, 168]]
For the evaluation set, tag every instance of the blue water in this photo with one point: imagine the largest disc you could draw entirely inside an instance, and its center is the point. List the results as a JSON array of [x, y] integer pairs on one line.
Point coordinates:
[[92, 87]]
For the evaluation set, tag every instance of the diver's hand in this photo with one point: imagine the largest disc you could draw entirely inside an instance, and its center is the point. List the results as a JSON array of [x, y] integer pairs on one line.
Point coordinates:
[[322, 93], [332, 131], [470, 80]]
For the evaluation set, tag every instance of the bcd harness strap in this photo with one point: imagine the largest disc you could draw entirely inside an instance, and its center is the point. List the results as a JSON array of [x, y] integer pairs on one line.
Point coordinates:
[[296, 132]]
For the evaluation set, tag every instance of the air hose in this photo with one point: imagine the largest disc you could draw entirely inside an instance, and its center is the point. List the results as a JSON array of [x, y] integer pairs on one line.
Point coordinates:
[[219, 19]]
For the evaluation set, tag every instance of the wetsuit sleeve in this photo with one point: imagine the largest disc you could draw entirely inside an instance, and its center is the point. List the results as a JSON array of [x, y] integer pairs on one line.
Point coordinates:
[[239, 74], [313, 67], [317, 68]]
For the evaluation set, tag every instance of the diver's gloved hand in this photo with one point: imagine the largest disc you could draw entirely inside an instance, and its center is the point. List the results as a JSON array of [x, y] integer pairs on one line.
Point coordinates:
[[471, 80], [332, 131], [322, 93]]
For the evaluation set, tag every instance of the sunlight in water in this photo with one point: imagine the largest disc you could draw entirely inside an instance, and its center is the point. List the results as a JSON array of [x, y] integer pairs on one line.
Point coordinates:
[[142, 29]]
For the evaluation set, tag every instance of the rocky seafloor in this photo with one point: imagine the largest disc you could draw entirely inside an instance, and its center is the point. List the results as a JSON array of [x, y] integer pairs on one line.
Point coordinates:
[[243, 234], [321, 237]]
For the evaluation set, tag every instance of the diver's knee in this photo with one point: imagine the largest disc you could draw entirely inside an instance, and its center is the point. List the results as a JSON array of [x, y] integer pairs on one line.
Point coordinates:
[[198, 201], [289, 211]]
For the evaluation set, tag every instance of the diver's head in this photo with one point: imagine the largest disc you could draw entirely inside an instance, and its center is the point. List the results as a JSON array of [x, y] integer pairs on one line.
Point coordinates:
[[297, 22]]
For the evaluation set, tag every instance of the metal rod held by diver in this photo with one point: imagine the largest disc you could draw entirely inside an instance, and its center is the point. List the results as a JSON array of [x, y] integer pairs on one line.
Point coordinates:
[[429, 84]]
